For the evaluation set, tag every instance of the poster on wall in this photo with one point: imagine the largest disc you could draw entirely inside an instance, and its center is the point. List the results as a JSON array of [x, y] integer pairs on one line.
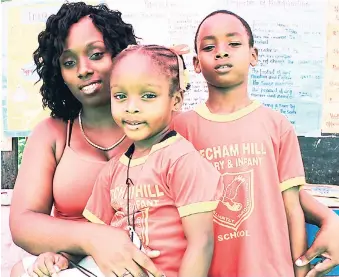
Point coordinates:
[[288, 78], [330, 118]]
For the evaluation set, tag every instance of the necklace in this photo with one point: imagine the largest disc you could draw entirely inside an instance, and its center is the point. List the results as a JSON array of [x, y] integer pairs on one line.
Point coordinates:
[[95, 145]]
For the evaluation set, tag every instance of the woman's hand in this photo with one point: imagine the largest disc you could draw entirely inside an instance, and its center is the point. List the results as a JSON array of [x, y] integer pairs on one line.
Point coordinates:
[[116, 255]]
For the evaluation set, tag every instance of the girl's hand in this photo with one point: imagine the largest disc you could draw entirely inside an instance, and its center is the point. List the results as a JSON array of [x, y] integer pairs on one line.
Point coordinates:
[[48, 264]]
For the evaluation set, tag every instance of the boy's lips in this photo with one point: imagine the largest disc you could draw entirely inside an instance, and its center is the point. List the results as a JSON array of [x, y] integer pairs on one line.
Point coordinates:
[[223, 68]]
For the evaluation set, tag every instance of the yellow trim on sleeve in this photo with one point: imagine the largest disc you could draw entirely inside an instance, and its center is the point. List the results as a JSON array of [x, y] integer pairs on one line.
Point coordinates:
[[92, 218], [293, 182], [195, 208]]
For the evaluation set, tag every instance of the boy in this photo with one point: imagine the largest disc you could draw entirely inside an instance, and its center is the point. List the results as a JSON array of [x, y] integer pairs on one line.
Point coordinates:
[[259, 224]]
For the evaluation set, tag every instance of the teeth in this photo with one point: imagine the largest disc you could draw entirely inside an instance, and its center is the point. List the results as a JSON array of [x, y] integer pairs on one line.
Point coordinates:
[[224, 66], [90, 88]]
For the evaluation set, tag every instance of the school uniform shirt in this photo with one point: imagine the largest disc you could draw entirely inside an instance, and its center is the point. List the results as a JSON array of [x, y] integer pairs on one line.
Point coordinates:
[[172, 182], [257, 152]]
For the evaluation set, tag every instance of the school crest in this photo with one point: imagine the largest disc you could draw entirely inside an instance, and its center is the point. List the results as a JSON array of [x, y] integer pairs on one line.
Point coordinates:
[[237, 201]]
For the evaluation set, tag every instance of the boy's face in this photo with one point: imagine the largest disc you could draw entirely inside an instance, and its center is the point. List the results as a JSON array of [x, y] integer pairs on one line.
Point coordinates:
[[224, 54]]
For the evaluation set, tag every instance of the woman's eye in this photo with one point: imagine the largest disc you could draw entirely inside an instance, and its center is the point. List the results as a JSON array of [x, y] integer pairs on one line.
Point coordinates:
[[97, 56], [69, 63]]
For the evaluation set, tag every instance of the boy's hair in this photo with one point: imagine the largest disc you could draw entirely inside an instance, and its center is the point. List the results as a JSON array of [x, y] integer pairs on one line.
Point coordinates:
[[165, 58], [243, 21], [117, 36]]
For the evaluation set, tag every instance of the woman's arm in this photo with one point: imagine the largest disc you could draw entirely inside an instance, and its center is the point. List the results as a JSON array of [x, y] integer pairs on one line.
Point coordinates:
[[31, 225], [34, 230]]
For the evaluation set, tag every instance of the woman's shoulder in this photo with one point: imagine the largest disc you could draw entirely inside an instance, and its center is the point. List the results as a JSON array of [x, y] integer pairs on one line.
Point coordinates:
[[50, 128], [50, 132]]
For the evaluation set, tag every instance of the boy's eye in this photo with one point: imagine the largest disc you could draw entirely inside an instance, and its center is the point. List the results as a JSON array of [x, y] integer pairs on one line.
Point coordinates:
[[97, 56], [148, 95], [208, 48], [119, 96], [235, 44]]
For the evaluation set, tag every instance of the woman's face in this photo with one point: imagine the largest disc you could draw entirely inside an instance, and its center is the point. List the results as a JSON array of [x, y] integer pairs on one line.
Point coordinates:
[[86, 64]]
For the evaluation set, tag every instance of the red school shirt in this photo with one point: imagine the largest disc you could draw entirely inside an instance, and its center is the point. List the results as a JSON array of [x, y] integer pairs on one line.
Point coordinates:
[[257, 152], [173, 181]]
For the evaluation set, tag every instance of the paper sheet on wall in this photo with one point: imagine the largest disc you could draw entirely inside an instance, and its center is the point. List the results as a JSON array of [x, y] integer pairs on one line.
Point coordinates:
[[288, 78], [330, 118]]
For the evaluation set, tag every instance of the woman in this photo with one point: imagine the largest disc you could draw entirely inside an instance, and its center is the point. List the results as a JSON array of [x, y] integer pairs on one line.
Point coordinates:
[[65, 152]]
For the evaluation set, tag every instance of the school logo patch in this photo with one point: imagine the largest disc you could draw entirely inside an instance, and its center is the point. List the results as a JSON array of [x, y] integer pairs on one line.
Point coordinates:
[[237, 201]]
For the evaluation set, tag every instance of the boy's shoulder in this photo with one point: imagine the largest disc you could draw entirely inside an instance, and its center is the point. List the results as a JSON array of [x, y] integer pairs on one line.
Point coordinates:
[[275, 117], [183, 121], [185, 116]]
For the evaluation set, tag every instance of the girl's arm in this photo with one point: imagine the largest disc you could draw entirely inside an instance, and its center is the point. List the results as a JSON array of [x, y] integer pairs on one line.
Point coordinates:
[[198, 230]]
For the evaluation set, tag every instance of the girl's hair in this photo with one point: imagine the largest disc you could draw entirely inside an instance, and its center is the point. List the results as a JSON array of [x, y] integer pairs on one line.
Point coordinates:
[[167, 60], [243, 22], [117, 36]]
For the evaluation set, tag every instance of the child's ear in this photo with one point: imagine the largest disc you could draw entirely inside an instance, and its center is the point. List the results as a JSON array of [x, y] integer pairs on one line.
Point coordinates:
[[254, 56], [177, 101], [196, 65]]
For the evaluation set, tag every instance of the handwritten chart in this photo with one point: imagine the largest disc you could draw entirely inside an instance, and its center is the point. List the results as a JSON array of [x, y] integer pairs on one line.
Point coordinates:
[[330, 123], [290, 76]]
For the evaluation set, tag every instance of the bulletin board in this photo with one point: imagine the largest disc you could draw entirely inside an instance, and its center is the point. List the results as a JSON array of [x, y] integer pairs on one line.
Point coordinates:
[[297, 40]]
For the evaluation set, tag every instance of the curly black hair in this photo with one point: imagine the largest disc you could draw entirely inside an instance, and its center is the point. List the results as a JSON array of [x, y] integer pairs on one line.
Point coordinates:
[[117, 36]]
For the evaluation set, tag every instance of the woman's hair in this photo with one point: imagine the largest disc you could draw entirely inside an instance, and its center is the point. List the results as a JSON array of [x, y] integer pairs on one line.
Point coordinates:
[[165, 58], [117, 36]]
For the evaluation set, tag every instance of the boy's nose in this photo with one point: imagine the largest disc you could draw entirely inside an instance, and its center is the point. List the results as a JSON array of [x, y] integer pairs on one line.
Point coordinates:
[[221, 55]]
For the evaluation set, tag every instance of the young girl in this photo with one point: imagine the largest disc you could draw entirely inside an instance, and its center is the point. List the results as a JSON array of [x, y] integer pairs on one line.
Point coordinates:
[[259, 223], [161, 190]]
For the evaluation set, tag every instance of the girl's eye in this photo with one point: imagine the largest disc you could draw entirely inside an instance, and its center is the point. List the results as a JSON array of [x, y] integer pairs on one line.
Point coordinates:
[[119, 96], [149, 95]]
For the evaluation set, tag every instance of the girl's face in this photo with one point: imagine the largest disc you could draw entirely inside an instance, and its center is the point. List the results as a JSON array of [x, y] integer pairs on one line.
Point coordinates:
[[86, 64], [140, 97]]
